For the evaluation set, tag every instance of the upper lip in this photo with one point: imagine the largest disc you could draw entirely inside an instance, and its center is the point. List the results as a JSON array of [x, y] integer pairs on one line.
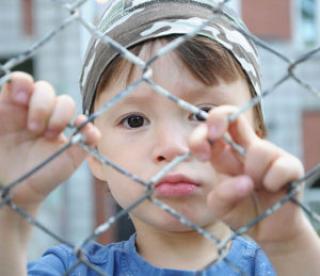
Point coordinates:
[[177, 178]]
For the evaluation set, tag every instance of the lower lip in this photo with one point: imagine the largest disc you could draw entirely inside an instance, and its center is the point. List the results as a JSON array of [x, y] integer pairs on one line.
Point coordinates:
[[175, 189]]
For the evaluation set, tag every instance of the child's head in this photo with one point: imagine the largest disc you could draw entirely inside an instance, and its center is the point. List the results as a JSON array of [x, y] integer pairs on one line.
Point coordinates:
[[145, 131], [225, 52]]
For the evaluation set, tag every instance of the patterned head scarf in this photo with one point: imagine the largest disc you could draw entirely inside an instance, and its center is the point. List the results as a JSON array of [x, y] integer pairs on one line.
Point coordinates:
[[130, 22]]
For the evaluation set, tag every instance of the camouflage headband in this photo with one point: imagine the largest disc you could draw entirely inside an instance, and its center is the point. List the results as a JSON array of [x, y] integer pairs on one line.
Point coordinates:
[[130, 22]]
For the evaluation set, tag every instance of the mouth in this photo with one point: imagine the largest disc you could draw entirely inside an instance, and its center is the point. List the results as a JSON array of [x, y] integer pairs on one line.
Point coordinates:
[[176, 185]]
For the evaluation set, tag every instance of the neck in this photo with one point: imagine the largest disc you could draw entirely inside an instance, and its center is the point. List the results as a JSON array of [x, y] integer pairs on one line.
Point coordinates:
[[185, 250]]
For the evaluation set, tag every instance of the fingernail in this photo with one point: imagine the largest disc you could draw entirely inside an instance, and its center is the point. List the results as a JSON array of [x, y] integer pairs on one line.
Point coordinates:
[[34, 125], [215, 131], [212, 133], [21, 96], [244, 185]]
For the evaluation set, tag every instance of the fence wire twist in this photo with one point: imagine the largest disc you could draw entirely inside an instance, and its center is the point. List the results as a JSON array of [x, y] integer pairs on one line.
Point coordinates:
[[73, 7]]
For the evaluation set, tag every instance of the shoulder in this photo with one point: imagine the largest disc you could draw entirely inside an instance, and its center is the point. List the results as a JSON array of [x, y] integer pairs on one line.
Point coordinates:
[[245, 247], [244, 257], [249, 256], [59, 259]]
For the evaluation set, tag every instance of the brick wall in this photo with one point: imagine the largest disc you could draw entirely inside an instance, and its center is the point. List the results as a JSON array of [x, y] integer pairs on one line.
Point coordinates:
[[268, 18], [311, 138]]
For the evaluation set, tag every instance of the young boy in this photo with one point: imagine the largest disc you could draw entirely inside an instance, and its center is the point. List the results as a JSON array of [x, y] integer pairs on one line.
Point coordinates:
[[216, 71]]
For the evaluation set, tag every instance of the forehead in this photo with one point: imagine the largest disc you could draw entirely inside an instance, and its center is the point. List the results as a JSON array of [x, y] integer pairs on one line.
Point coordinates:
[[168, 71], [198, 62], [171, 74]]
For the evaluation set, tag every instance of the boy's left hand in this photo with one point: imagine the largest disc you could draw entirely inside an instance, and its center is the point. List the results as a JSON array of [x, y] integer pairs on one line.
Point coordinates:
[[263, 172]]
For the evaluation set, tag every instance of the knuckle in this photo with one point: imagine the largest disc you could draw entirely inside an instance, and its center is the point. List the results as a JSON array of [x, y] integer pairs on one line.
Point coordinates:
[[295, 166], [66, 100], [21, 82], [79, 120], [221, 114], [57, 120], [18, 75], [40, 111], [45, 88]]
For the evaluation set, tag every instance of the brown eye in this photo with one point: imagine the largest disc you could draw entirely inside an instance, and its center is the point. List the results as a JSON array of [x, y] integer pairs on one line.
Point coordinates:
[[133, 121]]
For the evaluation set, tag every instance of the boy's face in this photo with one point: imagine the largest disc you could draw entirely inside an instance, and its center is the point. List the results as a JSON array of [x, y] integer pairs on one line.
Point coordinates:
[[145, 131]]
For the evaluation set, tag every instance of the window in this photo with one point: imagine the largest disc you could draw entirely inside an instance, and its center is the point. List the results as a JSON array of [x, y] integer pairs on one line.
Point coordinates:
[[26, 66], [308, 14], [316, 183]]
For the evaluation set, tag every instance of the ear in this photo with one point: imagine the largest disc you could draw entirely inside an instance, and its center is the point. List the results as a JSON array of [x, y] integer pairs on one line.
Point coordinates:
[[96, 168], [261, 133]]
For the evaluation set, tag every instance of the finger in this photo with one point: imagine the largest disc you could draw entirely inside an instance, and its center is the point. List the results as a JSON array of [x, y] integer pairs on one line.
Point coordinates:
[[225, 159], [18, 89], [218, 124], [91, 135], [228, 194], [41, 106], [198, 143], [62, 114], [90, 132], [282, 171], [219, 153], [259, 157]]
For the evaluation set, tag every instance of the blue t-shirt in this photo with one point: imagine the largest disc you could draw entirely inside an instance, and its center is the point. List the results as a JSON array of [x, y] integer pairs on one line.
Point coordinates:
[[123, 259]]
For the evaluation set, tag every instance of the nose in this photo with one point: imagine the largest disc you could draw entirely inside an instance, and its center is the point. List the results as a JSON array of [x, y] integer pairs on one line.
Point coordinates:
[[170, 141]]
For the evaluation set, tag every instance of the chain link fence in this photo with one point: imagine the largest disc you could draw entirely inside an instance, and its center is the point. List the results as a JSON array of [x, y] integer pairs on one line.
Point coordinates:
[[73, 7]]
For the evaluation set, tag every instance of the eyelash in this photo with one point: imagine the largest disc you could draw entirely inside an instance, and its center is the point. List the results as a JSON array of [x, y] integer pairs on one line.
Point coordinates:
[[197, 116], [124, 121]]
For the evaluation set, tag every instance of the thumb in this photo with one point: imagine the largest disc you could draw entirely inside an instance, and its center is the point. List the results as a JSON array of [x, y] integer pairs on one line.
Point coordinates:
[[91, 134], [228, 194]]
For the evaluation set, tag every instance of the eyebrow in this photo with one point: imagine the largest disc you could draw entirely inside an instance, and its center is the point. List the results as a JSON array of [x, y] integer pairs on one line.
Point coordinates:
[[190, 94]]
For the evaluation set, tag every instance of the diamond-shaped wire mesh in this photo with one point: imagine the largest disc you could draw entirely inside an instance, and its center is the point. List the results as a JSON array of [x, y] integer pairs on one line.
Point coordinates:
[[76, 138]]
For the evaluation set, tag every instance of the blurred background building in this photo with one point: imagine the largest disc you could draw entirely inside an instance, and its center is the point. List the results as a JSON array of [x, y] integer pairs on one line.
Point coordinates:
[[292, 113]]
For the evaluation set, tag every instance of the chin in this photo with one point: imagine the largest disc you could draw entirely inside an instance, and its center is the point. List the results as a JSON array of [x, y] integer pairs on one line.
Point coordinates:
[[171, 224], [149, 214]]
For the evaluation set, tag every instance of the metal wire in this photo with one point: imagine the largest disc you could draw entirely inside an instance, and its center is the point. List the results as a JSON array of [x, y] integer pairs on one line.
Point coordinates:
[[73, 7]]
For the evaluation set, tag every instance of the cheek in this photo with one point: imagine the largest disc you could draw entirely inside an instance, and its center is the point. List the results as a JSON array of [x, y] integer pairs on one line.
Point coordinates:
[[132, 157], [110, 149], [124, 190], [120, 147]]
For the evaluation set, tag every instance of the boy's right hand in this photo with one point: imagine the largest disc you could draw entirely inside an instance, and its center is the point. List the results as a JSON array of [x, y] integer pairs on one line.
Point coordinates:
[[32, 120]]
